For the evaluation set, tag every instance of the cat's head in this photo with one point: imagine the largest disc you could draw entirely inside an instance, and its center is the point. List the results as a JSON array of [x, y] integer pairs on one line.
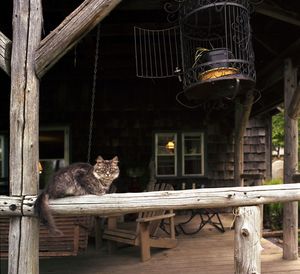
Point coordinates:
[[106, 170]]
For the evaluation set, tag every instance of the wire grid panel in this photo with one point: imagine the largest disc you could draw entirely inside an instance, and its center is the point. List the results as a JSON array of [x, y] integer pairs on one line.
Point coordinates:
[[157, 52]]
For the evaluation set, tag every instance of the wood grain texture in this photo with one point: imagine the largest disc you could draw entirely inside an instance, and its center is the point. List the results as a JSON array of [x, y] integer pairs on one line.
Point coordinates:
[[294, 106], [24, 131], [290, 210], [247, 247], [122, 203], [242, 114]]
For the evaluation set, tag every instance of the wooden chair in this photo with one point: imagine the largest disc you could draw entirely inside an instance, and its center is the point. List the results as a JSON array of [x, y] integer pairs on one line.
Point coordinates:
[[147, 225]]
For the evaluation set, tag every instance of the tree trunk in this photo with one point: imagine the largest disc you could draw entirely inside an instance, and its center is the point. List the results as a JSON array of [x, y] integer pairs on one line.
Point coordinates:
[[242, 114]]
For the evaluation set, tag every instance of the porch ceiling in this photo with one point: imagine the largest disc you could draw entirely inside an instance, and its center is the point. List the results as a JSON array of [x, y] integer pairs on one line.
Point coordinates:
[[275, 25]]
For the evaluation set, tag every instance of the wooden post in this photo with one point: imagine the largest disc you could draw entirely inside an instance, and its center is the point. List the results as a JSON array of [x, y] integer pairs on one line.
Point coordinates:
[[242, 114], [294, 107], [247, 247], [290, 210], [145, 241], [24, 110]]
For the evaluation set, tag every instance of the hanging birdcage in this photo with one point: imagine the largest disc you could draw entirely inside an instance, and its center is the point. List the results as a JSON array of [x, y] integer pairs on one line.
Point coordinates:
[[210, 49]]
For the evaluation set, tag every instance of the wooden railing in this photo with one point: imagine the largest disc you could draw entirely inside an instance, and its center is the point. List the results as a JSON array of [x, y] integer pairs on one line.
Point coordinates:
[[246, 199]]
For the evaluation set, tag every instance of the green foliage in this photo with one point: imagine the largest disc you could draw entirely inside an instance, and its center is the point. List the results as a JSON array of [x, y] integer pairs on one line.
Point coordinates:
[[278, 132], [273, 213], [273, 182]]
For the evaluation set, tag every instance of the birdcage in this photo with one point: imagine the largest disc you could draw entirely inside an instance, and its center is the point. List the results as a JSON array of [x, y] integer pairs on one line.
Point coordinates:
[[209, 48]]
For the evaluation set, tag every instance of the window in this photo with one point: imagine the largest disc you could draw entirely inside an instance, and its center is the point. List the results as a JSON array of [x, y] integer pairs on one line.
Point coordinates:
[[54, 151], [192, 150], [165, 151], [179, 154]]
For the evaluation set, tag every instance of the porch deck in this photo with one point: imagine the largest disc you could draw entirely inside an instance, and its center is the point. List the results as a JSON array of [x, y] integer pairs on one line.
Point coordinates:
[[207, 252]]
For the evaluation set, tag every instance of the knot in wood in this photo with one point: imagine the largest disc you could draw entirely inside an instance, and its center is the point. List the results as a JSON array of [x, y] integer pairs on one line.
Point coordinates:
[[13, 207], [245, 232], [229, 196]]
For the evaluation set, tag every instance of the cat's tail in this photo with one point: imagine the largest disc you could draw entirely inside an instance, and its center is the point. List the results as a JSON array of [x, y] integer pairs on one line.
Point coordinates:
[[42, 209]]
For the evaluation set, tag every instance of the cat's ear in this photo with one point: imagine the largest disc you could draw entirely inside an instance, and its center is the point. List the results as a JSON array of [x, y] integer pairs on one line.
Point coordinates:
[[115, 159], [99, 159]]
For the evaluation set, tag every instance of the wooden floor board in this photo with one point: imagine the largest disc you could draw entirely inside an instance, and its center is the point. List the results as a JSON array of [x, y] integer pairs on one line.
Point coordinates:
[[207, 252]]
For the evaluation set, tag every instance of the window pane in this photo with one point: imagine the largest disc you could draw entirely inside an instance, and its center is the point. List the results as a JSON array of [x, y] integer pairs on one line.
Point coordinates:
[[165, 165], [192, 154], [166, 154], [166, 144], [192, 144], [192, 165]]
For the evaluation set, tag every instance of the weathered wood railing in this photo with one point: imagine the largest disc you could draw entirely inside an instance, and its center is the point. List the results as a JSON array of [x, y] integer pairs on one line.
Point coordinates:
[[122, 203], [247, 229]]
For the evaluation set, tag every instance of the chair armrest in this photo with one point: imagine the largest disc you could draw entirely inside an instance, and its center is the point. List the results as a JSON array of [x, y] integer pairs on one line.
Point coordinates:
[[153, 218]]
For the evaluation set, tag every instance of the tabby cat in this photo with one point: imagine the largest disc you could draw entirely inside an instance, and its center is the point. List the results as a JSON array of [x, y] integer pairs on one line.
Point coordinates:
[[74, 180]]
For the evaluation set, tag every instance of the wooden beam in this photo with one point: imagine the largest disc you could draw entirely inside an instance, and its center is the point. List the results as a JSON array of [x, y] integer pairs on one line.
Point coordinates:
[[247, 246], [24, 132], [294, 106], [278, 13], [123, 203], [290, 210], [242, 114], [70, 31], [5, 53]]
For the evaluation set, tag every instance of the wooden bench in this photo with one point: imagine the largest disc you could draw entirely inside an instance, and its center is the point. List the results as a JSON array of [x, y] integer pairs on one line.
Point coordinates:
[[73, 240]]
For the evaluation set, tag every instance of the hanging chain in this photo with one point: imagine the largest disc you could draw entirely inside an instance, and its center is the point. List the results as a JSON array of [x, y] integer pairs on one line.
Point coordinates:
[[93, 94]]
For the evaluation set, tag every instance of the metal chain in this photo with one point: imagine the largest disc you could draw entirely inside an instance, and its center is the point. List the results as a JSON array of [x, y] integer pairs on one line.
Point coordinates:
[[93, 94]]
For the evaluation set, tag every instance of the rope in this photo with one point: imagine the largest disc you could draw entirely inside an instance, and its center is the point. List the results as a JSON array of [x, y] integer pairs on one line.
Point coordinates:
[[93, 94]]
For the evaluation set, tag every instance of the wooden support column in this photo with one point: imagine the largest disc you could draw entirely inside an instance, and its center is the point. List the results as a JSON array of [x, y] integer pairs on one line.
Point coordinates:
[[290, 210], [294, 107], [247, 247], [242, 114], [24, 131]]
